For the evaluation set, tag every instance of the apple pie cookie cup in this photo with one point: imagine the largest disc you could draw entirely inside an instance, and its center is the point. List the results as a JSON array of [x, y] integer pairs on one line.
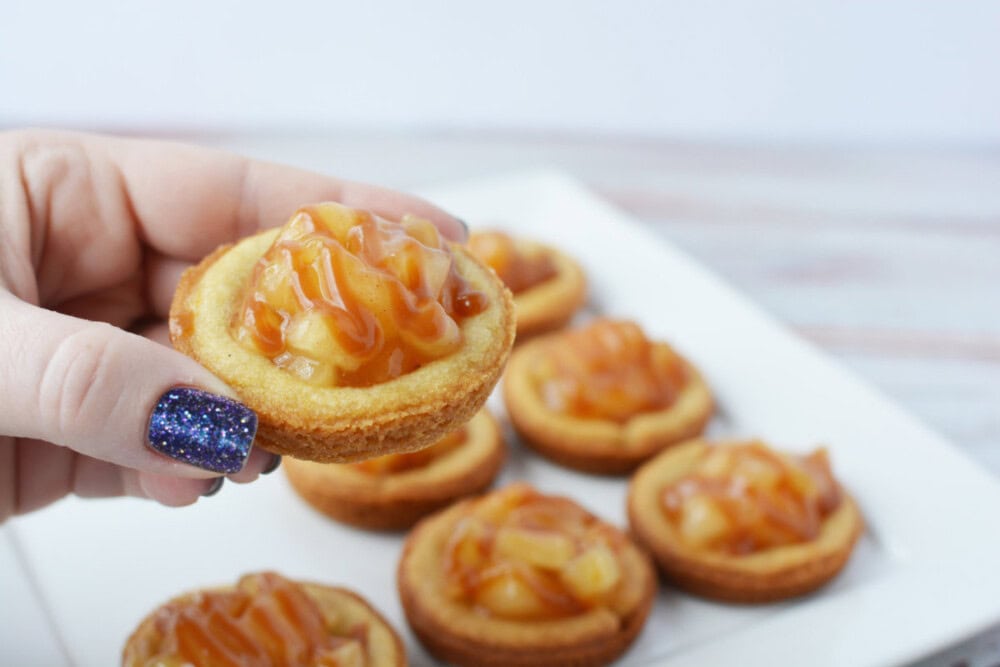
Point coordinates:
[[395, 494], [760, 575], [340, 423], [592, 443], [502, 626]]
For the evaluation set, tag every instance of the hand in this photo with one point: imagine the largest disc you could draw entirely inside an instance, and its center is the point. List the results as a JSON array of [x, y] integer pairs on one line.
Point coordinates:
[[94, 234]]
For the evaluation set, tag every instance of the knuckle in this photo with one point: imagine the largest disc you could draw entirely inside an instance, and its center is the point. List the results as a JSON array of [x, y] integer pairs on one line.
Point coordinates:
[[74, 394], [48, 164]]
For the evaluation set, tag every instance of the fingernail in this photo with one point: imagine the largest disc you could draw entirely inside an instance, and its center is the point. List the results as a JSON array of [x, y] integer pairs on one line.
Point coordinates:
[[273, 465], [205, 430], [465, 228], [214, 489]]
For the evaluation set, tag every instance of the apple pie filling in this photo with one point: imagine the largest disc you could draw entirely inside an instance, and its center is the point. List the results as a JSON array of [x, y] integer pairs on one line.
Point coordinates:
[[344, 298], [609, 370], [266, 621], [745, 498], [518, 554]]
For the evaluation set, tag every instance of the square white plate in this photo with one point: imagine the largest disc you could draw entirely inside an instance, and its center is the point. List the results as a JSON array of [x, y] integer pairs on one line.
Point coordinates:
[[924, 574]]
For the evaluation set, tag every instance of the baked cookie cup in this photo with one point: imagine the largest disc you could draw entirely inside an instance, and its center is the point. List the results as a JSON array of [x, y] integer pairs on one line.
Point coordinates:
[[591, 443], [394, 492], [555, 290], [547, 599], [775, 568], [340, 423], [265, 619]]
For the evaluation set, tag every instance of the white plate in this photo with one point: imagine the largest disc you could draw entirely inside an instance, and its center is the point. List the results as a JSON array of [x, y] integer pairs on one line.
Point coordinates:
[[924, 574]]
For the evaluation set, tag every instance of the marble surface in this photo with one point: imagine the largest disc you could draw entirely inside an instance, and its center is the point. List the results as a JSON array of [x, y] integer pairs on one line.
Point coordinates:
[[889, 258]]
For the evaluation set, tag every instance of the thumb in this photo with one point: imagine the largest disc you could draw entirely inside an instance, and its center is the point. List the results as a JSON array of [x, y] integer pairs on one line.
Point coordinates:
[[116, 396]]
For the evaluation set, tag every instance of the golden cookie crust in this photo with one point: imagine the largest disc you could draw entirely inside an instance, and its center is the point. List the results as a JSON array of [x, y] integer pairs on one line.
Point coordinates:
[[774, 574], [397, 501], [550, 304], [384, 644], [340, 424], [598, 445], [457, 634]]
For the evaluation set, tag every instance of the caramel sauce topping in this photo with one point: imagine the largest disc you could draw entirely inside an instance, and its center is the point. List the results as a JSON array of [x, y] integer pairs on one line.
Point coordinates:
[[392, 464], [344, 298], [519, 554], [518, 270], [609, 370], [266, 621], [744, 498]]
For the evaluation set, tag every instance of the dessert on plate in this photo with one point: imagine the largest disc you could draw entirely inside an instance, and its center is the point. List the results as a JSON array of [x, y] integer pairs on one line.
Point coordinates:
[[603, 398], [265, 620], [742, 522], [350, 336], [393, 491], [548, 285], [516, 578]]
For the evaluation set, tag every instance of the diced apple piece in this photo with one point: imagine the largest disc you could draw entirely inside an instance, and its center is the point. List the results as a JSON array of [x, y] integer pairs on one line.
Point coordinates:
[[166, 661], [436, 268], [758, 473], [507, 595], [802, 481], [349, 654], [309, 335], [314, 372], [465, 543], [496, 506], [422, 230], [468, 554], [541, 549], [702, 521], [421, 269], [403, 259], [593, 573], [299, 226], [449, 338], [368, 287], [274, 278], [337, 219], [717, 463]]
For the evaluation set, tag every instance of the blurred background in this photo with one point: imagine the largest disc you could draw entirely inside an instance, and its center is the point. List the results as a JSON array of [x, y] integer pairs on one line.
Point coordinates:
[[858, 72], [838, 161]]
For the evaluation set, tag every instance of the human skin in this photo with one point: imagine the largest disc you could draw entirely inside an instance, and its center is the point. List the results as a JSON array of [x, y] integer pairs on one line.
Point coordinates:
[[94, 234]]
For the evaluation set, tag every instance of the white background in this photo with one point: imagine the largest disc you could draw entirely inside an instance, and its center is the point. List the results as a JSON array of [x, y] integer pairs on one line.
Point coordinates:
[[786, 70]]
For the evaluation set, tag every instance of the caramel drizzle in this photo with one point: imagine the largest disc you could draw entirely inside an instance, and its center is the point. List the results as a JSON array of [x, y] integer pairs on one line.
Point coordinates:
[[267, 621]]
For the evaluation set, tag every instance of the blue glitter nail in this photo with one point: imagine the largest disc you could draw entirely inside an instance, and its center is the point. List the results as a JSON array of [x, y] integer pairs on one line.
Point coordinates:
[[205, 430]]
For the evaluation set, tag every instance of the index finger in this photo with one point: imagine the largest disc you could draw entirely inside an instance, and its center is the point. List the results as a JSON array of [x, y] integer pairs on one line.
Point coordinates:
[[188, 200]]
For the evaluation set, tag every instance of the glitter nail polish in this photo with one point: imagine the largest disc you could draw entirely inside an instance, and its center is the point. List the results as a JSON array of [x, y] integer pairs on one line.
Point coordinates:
[[205, 430]]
